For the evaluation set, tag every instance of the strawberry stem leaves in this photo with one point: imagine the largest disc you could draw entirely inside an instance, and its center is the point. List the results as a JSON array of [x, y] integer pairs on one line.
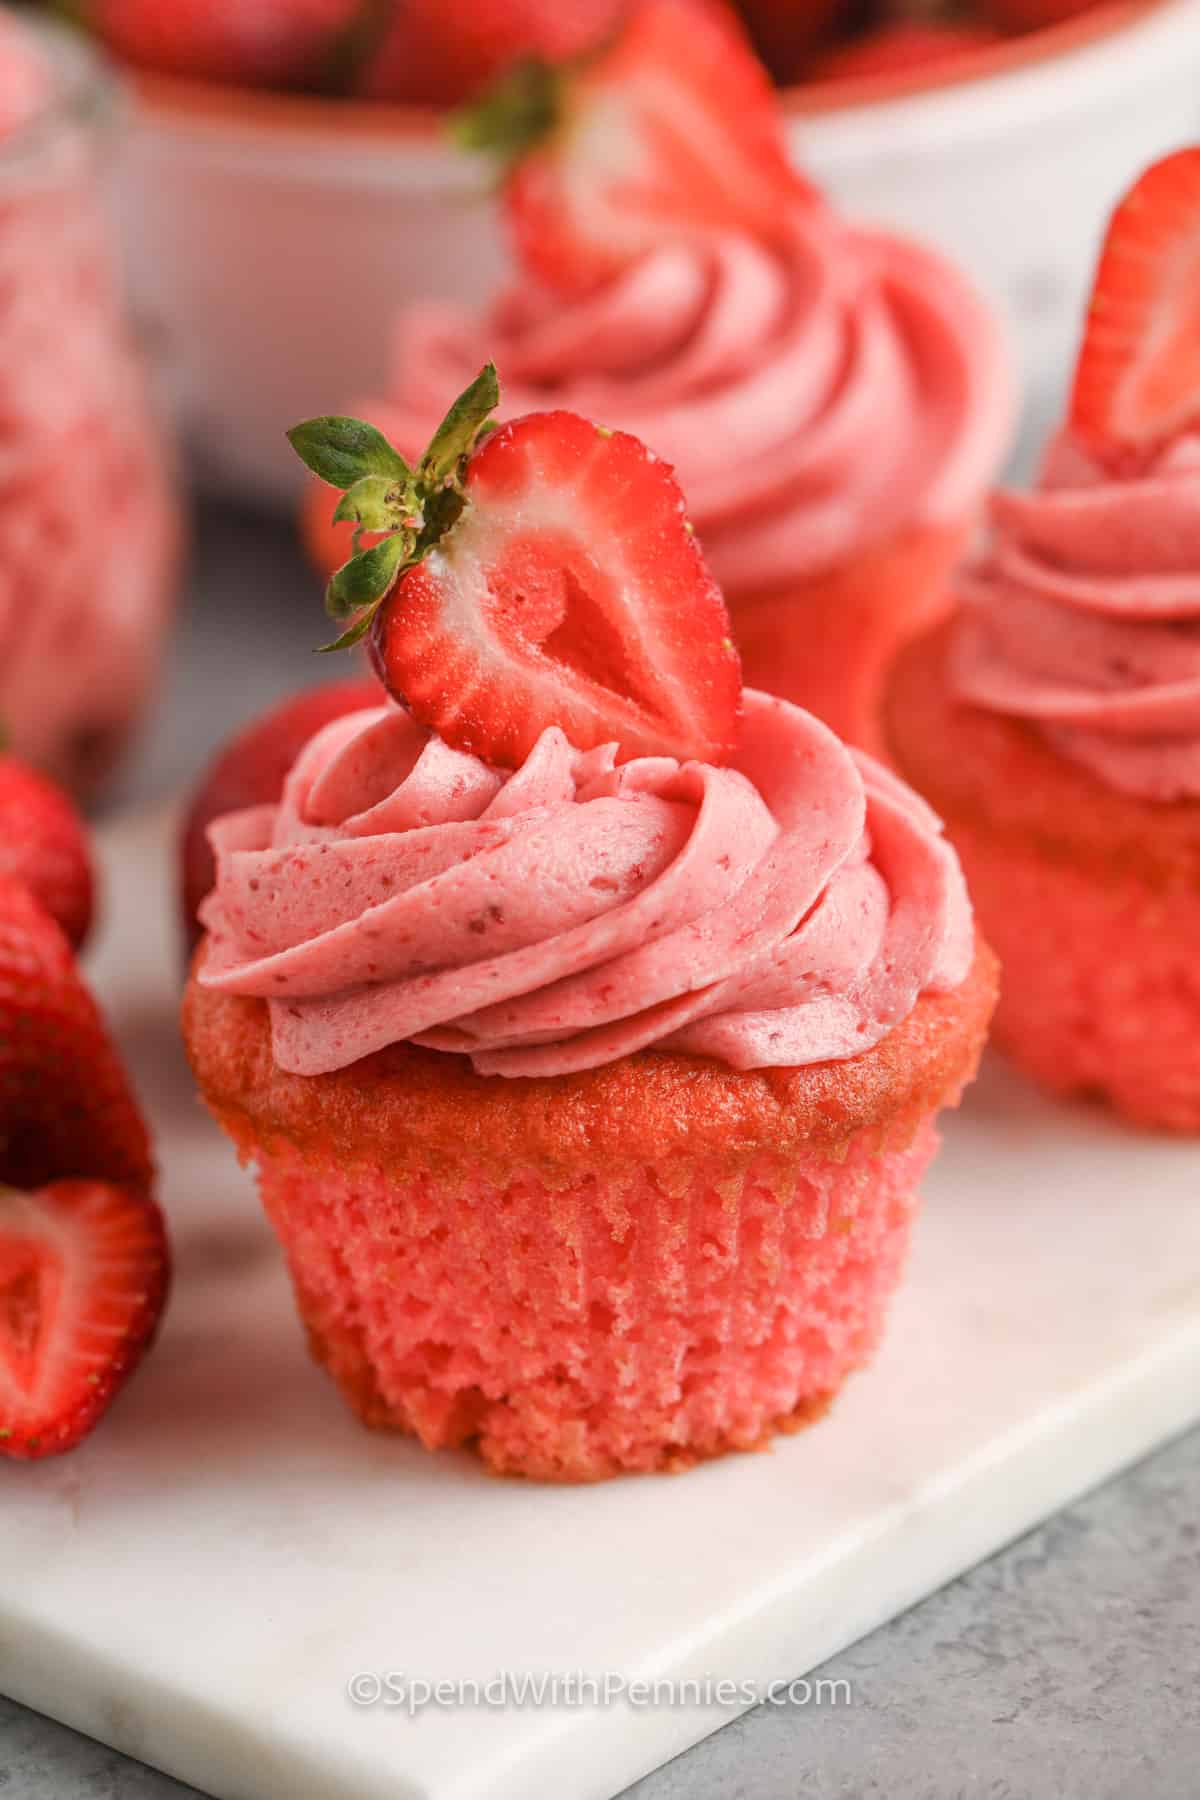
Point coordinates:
[[521, 110], [455, 437], [341, 451], [367, 577], [382, 495]]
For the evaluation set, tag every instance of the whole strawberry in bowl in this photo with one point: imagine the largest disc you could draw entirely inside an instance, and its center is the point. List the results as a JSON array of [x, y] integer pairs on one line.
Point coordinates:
[[427, 53], [954, 128], [252, 43]]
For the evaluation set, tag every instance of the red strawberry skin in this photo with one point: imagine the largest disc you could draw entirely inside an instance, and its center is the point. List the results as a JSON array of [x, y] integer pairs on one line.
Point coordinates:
[[570, 592], [443, 52], [903, 49], [84, 1271], [1033, 15], [1137, 383], [251, 769], [251, 43], [66, 1107], [671, 132], [786, 32], [43, 843]]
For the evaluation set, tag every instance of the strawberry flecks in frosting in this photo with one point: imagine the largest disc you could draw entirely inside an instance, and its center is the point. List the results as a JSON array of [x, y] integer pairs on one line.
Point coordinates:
[[812, 399], [1084, 617], [787, 910]]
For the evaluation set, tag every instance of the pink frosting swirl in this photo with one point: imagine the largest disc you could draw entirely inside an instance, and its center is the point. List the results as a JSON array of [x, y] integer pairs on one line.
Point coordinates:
[[787, 910], [812, 400], [1084, 617]]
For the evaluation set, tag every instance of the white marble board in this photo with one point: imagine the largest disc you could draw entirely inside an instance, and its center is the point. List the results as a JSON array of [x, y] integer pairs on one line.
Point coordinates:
[[199, 1583]]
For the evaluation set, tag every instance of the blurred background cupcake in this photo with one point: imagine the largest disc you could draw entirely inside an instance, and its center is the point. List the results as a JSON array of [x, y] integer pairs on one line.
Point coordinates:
[[280, 211], [836, 402], [1055, 724], [286, 187], [88, 523]]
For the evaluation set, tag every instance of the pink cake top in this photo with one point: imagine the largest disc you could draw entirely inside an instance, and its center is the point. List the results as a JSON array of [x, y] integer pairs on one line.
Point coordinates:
[[1084, 617], [812, 400], [787, 910]]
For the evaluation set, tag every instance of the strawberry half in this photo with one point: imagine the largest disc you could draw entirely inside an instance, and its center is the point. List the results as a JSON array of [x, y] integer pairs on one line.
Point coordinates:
[[1137, 385], [671, 130], [540, 574], [83, 1281]]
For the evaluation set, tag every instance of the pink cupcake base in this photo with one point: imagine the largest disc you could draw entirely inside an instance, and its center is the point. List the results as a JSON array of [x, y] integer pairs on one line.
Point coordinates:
[[1090, 897], [631, 1267], [575, 1333], [1100, 988]]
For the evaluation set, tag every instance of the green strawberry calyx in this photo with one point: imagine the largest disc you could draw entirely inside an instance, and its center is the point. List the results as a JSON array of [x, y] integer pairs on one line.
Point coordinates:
[[413, 507], [522, 109]]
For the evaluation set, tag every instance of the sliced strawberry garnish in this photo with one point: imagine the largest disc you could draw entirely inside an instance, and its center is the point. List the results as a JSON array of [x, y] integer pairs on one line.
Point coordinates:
[[1138, 381], [671, 130], [544, 574], [83, 1280]]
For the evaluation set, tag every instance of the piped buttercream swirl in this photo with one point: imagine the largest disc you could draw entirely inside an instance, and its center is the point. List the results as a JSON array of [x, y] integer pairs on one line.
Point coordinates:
[[786, 910]]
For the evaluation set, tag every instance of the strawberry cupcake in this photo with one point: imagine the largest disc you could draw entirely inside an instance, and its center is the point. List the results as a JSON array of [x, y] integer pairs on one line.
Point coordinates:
[[88, 523], [586, 1021], [835, 402], [1055, 724]]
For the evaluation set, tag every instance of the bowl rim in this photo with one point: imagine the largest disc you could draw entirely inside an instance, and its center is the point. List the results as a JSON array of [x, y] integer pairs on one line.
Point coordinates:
[[337, 118]]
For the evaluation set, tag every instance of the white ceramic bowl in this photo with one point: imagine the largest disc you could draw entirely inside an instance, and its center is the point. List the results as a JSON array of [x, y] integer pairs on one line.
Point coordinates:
[[272, 238]]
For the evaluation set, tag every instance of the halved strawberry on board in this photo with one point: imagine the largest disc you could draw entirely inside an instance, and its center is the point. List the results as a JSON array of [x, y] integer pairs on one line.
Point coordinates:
[[1137, 385], [542, 573], [83, 1256], [83, 1278], [671, 130]]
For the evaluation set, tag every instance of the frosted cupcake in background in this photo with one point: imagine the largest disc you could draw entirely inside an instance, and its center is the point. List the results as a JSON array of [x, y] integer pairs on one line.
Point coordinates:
[[586, 1022], [1056, 723], [88, 523], [835, 402]]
